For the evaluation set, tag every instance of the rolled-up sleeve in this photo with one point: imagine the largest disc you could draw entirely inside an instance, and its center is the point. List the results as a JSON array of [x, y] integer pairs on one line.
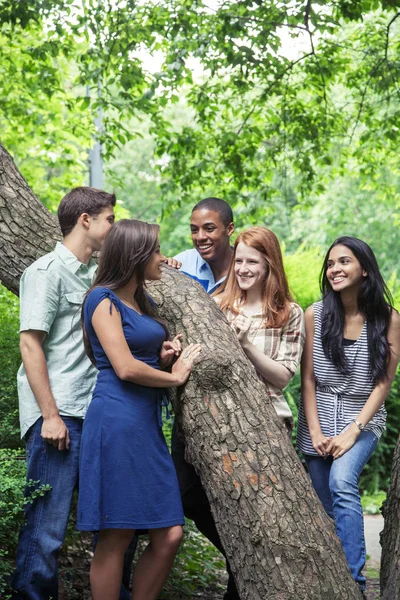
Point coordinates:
[[39, 299], [292, 340]]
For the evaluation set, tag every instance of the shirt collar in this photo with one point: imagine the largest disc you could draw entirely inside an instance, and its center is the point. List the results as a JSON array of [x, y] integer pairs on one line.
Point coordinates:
[[240, 308], [70, 260], [202, 264]]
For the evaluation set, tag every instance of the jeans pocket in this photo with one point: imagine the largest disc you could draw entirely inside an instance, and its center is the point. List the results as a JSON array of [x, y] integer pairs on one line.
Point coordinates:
[[29, 441], [34, 440]]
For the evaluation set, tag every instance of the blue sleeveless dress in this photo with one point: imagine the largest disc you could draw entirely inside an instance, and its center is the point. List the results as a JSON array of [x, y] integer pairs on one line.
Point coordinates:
[[127, 479]]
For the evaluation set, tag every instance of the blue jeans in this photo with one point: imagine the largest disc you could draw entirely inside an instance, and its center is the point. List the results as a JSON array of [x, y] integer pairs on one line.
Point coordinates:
[[336, 484], [36, 575]]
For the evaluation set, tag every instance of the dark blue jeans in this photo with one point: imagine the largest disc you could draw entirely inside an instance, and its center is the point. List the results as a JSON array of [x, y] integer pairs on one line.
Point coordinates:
[[36, 575], [336, 484]]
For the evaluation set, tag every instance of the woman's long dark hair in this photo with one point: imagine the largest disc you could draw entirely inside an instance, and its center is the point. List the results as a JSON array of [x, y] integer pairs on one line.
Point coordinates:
[[374, 302], [127, 250]]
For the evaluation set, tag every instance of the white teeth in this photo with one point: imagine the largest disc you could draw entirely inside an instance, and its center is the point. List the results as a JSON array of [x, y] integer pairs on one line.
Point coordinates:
[[204, 247]]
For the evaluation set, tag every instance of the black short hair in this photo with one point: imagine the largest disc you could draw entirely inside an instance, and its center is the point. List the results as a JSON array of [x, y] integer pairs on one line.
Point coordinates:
[[82, 200], [217, 205]]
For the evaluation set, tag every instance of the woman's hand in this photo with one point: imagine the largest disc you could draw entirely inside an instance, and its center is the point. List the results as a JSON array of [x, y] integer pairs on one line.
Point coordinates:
[[184, 364], [242, 326], [320, 443], [169, 350], [341, 443]]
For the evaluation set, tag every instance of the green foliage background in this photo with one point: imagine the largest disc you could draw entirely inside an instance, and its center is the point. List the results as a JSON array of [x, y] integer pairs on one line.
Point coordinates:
[[288, 110]]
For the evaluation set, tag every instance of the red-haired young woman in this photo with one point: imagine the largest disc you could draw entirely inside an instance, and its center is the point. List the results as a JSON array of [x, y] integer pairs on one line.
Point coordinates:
[[256, 300]]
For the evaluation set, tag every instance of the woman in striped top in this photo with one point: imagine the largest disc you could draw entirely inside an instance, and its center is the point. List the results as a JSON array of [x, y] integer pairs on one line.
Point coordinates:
[[256, 300], [349, 362]]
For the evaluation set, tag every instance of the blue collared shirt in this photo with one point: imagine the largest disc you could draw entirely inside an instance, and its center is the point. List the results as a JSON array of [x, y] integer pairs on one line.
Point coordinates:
[[198, 269]]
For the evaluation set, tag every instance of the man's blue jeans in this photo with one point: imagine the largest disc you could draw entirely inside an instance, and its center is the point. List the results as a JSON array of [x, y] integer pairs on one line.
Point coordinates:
[[336, 484], [36, 575]]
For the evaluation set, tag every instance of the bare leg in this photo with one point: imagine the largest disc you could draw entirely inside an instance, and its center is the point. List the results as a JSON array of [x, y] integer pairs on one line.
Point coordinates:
[[107, 563], [154, 565]]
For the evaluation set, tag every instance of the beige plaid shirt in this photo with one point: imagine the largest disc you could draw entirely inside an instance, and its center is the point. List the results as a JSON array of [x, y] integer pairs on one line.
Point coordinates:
[[284, 345]]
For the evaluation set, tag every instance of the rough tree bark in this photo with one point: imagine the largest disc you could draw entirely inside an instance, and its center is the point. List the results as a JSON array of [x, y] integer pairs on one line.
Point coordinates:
[[27, 228], [279, 541], [390, 536]]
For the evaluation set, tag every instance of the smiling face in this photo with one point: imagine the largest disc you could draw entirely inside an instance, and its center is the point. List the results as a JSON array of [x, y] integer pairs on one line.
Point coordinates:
[[343, 269], [251, 268], [209, 234], [152, 270]]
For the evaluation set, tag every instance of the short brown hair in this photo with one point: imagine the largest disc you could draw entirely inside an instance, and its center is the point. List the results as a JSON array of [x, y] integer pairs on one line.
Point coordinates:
[[82, 200]]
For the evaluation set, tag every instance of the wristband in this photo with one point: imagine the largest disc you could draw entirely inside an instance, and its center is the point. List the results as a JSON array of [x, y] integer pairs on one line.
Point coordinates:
[[360, 426]]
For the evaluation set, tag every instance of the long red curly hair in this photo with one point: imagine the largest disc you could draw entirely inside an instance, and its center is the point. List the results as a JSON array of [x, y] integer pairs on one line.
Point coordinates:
[[276, 297]]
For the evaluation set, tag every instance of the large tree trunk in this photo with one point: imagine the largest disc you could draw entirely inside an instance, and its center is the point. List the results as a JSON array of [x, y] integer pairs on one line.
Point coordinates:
[[390, 536], [280, 543], [27, 229]]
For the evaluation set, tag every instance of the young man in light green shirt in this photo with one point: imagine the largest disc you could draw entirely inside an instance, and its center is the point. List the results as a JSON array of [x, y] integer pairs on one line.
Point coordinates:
[[55, 382]]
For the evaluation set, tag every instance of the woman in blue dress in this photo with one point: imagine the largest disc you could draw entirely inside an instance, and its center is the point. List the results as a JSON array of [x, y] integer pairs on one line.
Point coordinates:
[[127, 478]]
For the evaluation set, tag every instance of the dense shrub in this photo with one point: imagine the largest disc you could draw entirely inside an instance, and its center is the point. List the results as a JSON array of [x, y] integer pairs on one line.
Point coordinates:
[[10, 360], [12, 457], [12, 501], [12, 479], [302, 270]]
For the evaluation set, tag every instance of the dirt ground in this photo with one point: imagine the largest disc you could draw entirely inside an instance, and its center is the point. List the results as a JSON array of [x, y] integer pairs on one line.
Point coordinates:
[[76, 587], [74, 578], [372, 593]]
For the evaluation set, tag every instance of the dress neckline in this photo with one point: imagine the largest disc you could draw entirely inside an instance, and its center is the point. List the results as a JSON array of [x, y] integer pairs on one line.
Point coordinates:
[[352, 342], [130, 307], [125, 304]]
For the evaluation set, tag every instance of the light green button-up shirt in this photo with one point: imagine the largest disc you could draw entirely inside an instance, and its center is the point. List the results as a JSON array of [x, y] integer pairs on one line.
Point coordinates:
[[51, 295]]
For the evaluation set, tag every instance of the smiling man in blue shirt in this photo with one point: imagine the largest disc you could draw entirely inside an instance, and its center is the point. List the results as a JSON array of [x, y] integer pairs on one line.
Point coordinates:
[[211, 225]]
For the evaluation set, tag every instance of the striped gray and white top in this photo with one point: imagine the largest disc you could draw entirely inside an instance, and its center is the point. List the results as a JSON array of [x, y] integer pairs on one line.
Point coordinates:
[[340, 398]]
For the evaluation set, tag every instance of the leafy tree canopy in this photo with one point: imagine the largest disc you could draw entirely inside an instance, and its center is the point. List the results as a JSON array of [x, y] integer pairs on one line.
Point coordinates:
[[283, 97]]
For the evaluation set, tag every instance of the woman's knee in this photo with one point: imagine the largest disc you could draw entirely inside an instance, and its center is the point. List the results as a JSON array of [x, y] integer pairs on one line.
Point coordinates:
[[174, 538], [167, 542], [115, 539], [177, 535], [342, 482]]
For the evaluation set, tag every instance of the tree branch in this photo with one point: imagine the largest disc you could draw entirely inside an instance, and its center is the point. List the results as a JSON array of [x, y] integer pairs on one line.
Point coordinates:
[[270, 87], [388, 33], [307, 15]]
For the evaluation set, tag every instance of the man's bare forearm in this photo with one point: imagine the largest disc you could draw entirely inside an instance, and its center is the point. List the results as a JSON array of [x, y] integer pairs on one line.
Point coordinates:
[[35, 366], [54, 430]]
